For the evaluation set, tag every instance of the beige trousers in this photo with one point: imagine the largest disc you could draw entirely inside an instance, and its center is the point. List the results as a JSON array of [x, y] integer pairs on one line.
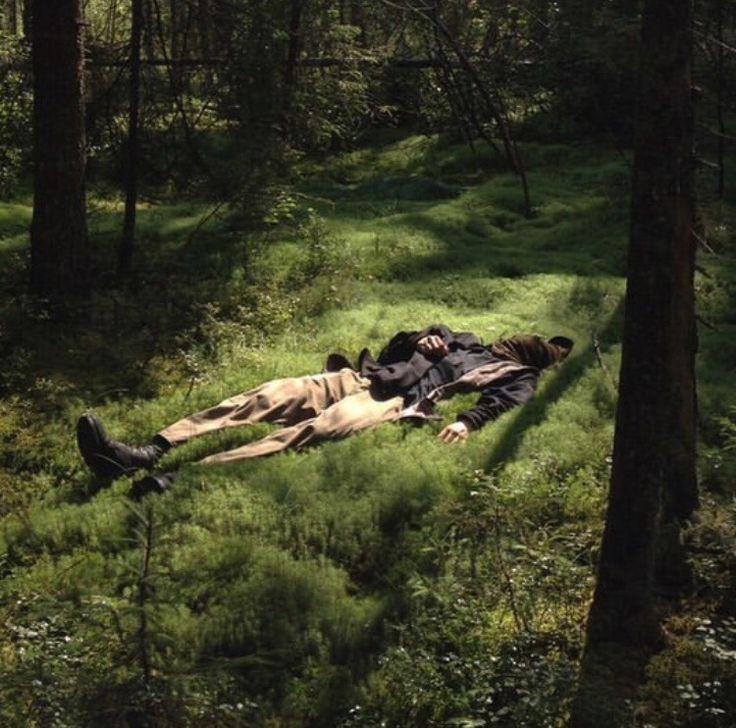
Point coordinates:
[[313, 409]]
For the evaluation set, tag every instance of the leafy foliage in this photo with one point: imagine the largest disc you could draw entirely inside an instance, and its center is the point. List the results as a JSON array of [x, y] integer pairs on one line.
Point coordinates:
[[15, 115]]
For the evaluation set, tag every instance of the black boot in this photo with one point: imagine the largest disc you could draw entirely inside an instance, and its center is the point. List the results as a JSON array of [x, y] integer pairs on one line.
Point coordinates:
[[152, 484], [109, 459]]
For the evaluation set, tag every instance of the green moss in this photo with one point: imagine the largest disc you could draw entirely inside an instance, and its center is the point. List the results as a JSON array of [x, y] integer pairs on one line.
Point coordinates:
[[373, 571]]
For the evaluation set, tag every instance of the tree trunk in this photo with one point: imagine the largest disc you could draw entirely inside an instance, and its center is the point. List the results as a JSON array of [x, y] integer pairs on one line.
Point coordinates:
[[290, 67], [495, 109], [127, 244], [654, 443], [720, 93], [204, 31], [149, 40], [10, 17], [357, 18], [59, 240], [175, 43], [27, 18]]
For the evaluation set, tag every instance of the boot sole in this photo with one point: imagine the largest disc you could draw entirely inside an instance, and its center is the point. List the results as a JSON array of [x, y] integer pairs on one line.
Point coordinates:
[[90, 437], [92, 441]]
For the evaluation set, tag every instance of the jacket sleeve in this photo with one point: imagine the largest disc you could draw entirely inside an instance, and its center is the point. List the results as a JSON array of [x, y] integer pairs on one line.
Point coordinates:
[[404, 344], [500, 397]]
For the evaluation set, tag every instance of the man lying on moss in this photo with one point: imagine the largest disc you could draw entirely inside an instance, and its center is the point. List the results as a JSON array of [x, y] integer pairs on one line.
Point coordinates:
[[412, 373]]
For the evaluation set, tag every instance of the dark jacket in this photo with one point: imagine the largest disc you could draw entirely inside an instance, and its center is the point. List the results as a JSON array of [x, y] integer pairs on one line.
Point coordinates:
[[502, 381]]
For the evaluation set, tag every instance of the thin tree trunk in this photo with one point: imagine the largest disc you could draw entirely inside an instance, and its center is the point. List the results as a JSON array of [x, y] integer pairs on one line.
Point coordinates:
[[495, 109], [720, 91], [127, 244], [290, 67], [112, 23], [144, 593], [149, 41], [10, 17], [204, 29], [654, 443], [59, 239], [27, 18], [460, 104], [357, 18], [177, 98], [175, 37]]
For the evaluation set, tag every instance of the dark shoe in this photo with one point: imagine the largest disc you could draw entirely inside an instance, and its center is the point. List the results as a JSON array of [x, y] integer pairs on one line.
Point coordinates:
[[107, 458], [336, 362], [152, 484]]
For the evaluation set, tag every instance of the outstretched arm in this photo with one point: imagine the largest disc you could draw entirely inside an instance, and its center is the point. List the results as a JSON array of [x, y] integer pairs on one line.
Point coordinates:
[[456, 432], [496, 399]]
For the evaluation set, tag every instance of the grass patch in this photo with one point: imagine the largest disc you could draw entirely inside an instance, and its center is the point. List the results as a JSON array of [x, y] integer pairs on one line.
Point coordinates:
[[383, 571]]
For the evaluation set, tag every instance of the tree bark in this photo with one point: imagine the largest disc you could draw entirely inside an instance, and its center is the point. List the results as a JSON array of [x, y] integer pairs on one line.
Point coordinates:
[[290, 67], [27, 17], [127, 244], [357, 18], [720, 93], [654, 445], [653, 478], [204, 31], [175, 43], [10, 17], [149, 40], [59, 240]]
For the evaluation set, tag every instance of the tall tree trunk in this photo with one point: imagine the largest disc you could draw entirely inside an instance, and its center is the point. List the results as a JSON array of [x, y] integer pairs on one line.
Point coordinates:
[[149, 39], [59, 240], [127, 244], [10, 17], [720, 93], [27, 16], [204, 30], [654, 443], [175, 21], [290, 67], [357, 18]]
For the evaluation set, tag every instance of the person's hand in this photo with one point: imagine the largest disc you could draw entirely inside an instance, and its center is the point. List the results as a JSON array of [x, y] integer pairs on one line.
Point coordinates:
[[456, 432], [432, 345]]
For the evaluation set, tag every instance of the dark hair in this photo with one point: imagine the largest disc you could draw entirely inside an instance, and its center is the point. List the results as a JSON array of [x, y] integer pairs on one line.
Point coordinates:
[[563, 342], [533, 350]]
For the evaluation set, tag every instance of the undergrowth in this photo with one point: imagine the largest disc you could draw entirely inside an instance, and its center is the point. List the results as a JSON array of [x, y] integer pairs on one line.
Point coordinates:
[[383, 580]]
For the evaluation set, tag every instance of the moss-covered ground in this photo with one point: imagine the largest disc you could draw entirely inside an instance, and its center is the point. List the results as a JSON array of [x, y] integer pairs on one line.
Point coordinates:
[[387, 579]]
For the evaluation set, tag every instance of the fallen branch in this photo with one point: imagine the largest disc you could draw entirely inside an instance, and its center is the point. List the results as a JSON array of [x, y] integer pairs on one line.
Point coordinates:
[[599, 356], [706, 323], [204, 220], [704, 243]]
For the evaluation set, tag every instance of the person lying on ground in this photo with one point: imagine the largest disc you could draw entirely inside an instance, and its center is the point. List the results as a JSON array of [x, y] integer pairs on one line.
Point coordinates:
[[414, 372]]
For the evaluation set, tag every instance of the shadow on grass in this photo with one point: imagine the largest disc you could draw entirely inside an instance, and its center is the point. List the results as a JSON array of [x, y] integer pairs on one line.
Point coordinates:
[[536, 411], [105, 342], [582, 244]]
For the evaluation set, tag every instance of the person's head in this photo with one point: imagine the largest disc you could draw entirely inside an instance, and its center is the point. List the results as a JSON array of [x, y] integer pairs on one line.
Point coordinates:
[[534, 350]]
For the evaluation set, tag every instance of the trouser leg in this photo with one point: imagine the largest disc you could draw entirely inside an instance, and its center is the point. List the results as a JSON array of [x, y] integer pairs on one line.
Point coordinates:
[[282, 401], [351, 414]]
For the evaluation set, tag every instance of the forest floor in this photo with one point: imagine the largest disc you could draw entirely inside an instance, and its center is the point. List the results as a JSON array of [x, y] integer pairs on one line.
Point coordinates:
[[387, 579]]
